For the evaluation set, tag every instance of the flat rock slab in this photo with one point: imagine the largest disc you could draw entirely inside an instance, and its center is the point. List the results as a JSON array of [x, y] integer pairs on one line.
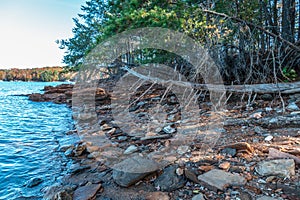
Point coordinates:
[[86, 192], [279, 167], [219, 180], [169, 180], [131, 170]]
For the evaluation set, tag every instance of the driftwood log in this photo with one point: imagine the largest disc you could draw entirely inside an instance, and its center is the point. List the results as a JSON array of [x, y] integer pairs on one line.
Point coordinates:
[[282, 88]]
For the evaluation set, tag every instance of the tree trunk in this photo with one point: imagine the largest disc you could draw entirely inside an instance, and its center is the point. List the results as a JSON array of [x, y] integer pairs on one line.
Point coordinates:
[[299, 20], [287, 21]]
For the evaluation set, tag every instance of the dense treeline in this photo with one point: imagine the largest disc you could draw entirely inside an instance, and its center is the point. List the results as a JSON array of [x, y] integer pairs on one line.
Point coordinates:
[[45, 74], [251, 41]]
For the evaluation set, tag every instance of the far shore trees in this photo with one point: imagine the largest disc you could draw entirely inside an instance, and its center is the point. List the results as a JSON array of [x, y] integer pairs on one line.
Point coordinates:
[[252, 41]]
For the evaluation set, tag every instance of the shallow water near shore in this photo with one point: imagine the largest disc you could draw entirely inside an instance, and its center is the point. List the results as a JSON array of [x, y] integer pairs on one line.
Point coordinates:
[[30, 135]]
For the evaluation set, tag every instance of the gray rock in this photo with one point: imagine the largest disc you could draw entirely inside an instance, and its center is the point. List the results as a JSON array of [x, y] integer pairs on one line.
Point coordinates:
[[169, 180], [183, 149], [269, 138], [34, 182], [69, 152], [122, 138], [86, 192], [198, 197], [131, 149], [229, 151], [79, 149], [280, 167], [292, 107], [273, 121], [169, 129], [131, 170], [259, 130], [219, 180]]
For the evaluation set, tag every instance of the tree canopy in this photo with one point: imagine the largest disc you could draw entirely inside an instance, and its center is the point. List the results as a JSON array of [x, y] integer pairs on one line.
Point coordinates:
[[251, 40]]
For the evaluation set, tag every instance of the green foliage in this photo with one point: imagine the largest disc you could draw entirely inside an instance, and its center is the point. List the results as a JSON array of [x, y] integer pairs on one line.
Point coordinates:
[[238, 42], [289, 74], [86, 31], [103, 20], [46, 76], [9, 77]]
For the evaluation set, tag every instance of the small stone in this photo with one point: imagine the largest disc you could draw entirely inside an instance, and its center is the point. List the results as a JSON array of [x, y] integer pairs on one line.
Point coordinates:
[[86, 192], [69, 152], [229, 151], [225, 166], [206, 168], [237, 169], [258, 130], [169, 129], [281, 167], [190, 175], [256, 115], [262, 181], [198, 197], [183, 149], [234, 193], [179, 171], [131, 149], [79, 149], [273, 121], [268, 109], [270, 179], [105, 127], [34, 182], [219, 180], [269, 138], [122, 138], [111, 131], [157, 196], [91, 149], [292, 107]]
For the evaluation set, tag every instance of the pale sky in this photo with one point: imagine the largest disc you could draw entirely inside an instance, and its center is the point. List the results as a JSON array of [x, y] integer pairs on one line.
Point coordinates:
[[29, 29]]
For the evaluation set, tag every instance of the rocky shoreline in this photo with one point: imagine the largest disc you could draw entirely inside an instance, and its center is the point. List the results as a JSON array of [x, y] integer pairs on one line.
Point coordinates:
[[61, 94], [256, 157]]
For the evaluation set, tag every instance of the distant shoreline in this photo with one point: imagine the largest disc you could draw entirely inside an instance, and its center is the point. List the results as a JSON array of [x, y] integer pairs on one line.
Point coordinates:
[[44, 74]]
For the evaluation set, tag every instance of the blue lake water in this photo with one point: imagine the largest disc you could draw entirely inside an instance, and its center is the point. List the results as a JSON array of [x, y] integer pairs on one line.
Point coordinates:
[[30, 135]]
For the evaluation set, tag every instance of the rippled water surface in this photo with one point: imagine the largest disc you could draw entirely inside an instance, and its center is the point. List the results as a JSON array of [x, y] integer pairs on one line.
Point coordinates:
[[30, 135]]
